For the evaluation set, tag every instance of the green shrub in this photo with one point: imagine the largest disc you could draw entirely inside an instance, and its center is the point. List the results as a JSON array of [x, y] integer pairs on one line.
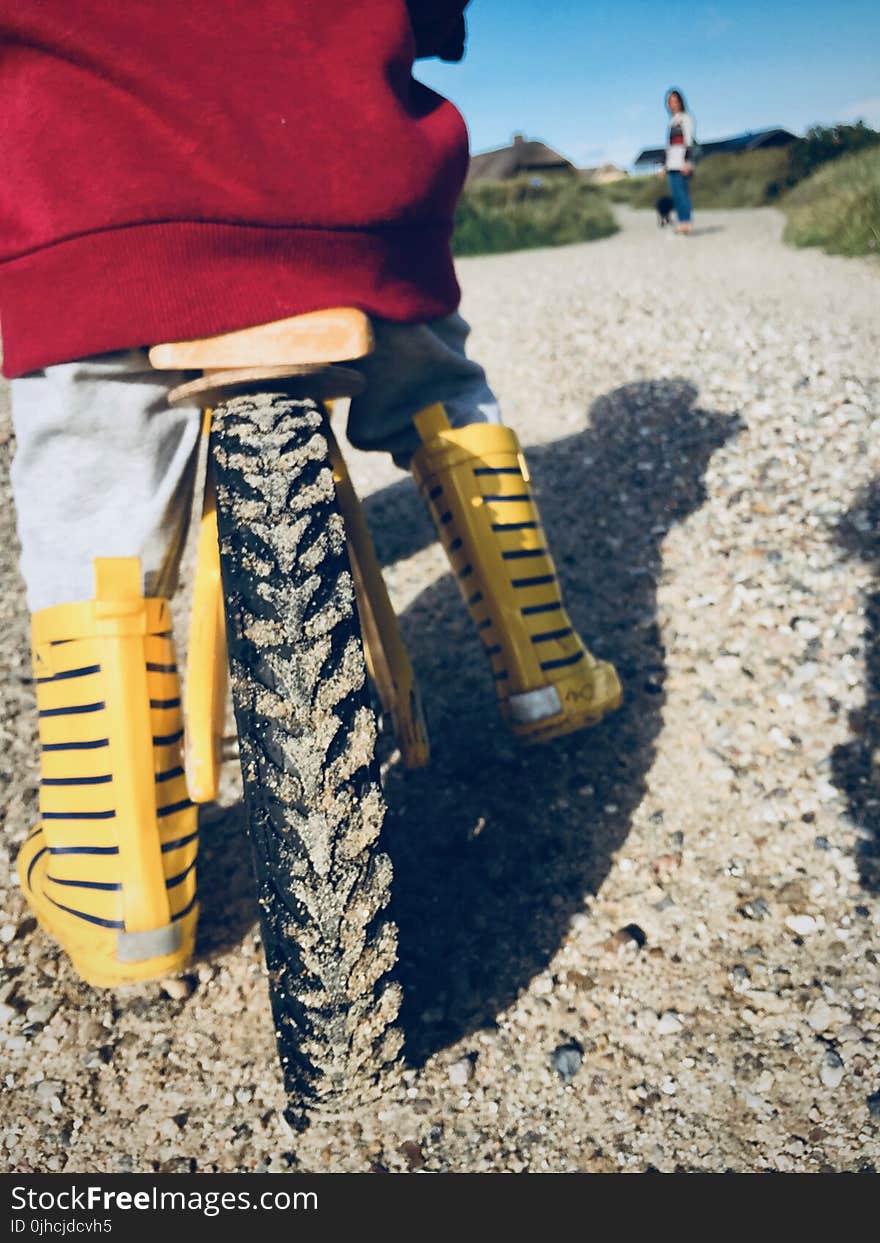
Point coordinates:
[[823, 143], [642, 190], [740, 179], [838, 207], [529, 211], [632, 190]]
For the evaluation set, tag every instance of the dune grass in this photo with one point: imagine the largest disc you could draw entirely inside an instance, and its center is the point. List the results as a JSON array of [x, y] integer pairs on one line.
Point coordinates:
[[838, 207], [746, 179], [493, 217], [743, 179], [640, 190]]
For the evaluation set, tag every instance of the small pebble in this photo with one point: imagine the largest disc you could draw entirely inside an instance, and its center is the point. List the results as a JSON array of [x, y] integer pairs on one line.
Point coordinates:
[[47, 1089], [665, 865], [756, 909], [765, 1081], [42, 1012], [831, 1070], [461, 1072], [567, 1060], [180, 988], [646, 1020], [625, 939], [768, 1001], [412, 1154], [803, 925], [669, 1024], [819, 1015]]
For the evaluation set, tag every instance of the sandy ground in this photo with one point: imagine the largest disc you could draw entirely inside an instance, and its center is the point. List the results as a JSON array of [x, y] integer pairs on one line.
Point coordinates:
[[647, 947]]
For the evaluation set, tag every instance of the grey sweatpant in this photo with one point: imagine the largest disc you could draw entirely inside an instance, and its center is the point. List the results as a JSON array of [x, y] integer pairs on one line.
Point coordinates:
[[105, 468]]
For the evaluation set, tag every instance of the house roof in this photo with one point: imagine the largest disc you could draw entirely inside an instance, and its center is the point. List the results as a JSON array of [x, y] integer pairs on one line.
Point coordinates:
[[749, 141], [522, 156]]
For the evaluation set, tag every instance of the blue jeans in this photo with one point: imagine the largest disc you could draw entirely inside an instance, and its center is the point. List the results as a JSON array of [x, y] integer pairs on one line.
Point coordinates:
[[681, 195]]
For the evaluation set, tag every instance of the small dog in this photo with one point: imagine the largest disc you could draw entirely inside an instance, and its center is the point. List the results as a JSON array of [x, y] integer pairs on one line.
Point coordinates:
[[665, 207]]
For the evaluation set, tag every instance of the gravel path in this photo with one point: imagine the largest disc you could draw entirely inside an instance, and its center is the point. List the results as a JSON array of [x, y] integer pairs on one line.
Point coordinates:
[[650, 946]]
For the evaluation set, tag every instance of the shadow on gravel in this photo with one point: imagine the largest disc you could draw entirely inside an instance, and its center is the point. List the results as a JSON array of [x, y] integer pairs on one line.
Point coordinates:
[[227, 893], [852, 763], [494, 846]]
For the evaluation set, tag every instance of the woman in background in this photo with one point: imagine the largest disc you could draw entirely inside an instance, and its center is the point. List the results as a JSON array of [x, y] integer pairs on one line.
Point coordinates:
[[680, 157]]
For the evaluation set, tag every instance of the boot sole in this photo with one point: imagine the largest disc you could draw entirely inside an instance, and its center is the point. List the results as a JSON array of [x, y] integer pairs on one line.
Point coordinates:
[[110, 973], [608, 699], [96, 964]]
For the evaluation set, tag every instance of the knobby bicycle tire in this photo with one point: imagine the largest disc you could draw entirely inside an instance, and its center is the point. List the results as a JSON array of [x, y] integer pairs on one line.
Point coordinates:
[[307, 738]]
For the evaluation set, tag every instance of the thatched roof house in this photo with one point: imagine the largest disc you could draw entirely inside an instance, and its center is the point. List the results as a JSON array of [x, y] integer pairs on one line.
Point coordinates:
[[522, 156]]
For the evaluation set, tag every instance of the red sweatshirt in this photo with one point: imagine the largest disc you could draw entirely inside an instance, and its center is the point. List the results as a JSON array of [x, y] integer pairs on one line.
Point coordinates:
[[174, 170]]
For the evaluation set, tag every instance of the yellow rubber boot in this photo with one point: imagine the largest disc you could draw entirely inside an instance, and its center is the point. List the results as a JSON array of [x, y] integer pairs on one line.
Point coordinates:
[[476, 483], [110, 872]]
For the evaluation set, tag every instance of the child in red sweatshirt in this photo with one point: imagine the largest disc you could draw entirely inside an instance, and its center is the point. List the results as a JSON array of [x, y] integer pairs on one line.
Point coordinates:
[[173, 174]]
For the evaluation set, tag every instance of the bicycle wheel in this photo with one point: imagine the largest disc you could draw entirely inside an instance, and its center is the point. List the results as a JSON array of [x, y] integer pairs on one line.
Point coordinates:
[[307, 736]]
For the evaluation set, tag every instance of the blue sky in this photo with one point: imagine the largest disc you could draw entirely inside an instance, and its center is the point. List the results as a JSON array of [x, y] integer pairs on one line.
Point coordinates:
[[589, 78]]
